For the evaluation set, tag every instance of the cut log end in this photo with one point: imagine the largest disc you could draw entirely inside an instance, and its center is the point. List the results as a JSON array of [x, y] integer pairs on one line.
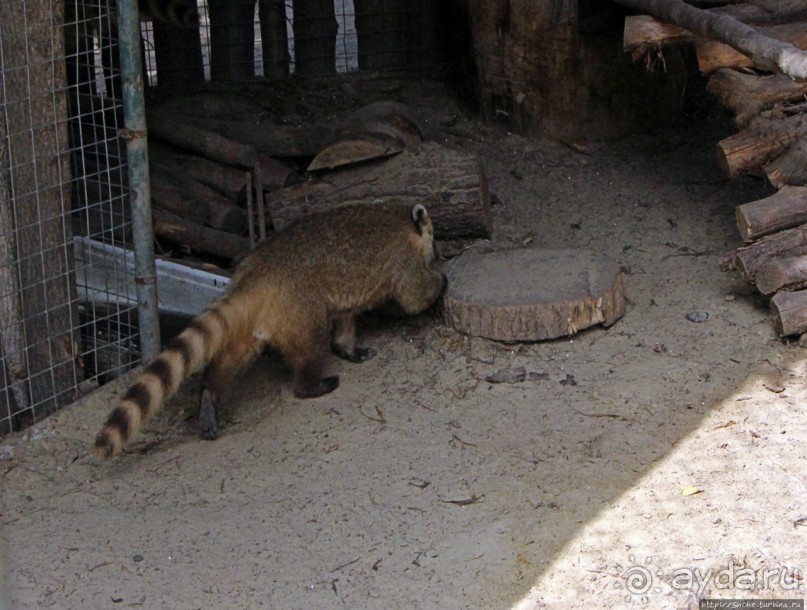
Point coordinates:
[[790, 312], [531, 294]]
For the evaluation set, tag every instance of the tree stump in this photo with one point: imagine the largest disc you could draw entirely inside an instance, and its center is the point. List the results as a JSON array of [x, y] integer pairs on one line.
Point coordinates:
[[531, 294]]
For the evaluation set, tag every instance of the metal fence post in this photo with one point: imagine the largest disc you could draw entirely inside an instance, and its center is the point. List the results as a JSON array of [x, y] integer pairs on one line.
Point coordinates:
[[139, 187]]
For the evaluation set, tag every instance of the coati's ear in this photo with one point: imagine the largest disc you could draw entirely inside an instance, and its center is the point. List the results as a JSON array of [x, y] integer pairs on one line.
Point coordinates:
[[420, 216]]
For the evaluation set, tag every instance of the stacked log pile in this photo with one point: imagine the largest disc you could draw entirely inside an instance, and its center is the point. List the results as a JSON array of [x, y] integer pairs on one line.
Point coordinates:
[[754, 55], [220, 185]]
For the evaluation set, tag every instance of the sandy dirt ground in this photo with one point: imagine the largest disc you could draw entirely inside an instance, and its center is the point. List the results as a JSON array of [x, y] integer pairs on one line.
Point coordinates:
[[419, 484]]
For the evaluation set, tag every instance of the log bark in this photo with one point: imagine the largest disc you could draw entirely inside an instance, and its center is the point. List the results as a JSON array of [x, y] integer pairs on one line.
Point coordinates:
[[645, 31], [193, 201], [178, 54], [274, 38], [753, 147], [749, 259], [747, 95], [782, 210], [788, 273], [713, 55], [380, 36], [181, 133], [279, 141], [452, 186], [554, 293], [224, 215], [198, 238], [315, 30], [232, 33], [789, 168], [169, 198], [765, 52], [790, 312], [516, 43], [374, 131], [224, 179]]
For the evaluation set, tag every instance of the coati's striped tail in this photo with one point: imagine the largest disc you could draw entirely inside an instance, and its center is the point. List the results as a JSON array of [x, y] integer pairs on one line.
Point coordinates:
[[187, 353]]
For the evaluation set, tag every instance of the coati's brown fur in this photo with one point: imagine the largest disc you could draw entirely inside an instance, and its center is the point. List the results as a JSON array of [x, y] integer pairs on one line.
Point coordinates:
[[299, 292]]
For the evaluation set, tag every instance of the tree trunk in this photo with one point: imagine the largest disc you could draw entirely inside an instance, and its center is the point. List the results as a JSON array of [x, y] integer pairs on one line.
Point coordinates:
[[178, 53], [315, 30], [520, 48], [274, 38], [38, 198], [379, 33], [232, 35]]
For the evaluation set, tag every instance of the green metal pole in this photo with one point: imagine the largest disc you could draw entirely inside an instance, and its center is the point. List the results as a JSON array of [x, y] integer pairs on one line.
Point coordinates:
[[134, 132]]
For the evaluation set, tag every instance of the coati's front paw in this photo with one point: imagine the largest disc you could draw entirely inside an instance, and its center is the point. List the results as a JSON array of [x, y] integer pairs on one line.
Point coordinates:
[[325, 386], [358, 354], [208, 420]]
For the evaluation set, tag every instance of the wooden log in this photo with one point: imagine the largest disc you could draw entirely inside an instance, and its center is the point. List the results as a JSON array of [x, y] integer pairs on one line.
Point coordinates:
[[789, 168], [785, 209], [789, 273], [747, 95], [221, 213], [281, 141], [232, 45], [187, 136], [170, 198], [790, 312], [224, 179], [377, 130], [224, 215], [315, 28], [531, 294], [199, 238], [275, 175], [452, 185], [749, 259], [713, 55], [178, 55], [768, 53], [764, 139], [645, 31], [274, 38]]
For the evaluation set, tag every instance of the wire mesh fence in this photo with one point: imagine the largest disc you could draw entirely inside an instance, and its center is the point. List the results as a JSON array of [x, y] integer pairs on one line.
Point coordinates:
[[66, 322], [236, 41]]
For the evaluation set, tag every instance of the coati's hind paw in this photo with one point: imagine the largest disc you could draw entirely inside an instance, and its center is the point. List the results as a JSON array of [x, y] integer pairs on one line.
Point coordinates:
[[358, 354], [326, 385], [208, 420]]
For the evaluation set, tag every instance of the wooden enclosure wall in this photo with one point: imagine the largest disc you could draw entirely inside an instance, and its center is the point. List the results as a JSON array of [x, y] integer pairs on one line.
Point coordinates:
[[557, 68]]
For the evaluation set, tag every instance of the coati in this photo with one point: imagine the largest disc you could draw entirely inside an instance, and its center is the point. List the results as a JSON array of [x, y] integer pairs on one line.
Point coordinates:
[[298, 292]]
